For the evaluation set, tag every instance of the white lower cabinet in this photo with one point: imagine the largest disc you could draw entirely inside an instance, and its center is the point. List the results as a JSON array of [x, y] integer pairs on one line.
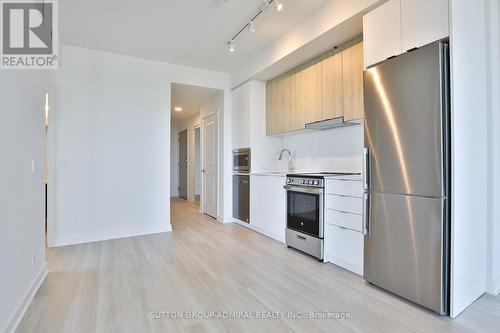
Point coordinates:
[[344, 203], [268, 206], [344, 219], [343, 237], [344, 247]]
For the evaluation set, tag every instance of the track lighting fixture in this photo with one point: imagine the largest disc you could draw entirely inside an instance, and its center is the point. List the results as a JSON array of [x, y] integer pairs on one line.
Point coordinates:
[[277, 4]]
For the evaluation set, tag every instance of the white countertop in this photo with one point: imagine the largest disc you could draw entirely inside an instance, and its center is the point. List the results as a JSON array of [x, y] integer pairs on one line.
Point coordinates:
[[241, 174], [284, 173], [270, 173], [358, 178]]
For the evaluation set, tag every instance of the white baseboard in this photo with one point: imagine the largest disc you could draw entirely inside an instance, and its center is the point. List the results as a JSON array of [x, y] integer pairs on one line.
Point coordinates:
[[225, 220], [493, 286], [252, 227], [21, 310], [100, 238], [344, 264]]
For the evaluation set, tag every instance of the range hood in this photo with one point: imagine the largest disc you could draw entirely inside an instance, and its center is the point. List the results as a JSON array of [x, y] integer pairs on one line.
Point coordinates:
[[330, 123]]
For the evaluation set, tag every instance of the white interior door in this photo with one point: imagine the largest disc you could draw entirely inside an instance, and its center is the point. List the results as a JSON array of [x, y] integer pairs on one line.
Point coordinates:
[[209, 170]]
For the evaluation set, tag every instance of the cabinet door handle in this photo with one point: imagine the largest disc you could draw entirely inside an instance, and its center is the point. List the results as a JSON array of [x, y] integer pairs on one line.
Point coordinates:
[[366, 213], [366, 169], [342, 211]]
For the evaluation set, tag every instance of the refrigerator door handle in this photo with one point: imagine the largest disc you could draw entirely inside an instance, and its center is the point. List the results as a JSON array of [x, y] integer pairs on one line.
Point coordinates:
[[366, 169], [366, 214]]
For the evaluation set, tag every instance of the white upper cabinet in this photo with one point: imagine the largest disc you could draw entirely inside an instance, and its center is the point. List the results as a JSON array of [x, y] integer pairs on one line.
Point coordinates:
[[423, 22], [382, 32], [401, 25]]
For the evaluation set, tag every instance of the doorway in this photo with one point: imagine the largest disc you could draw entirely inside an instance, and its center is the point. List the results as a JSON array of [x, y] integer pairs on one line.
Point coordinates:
[[210, 163], [194, 145], [183, 164]]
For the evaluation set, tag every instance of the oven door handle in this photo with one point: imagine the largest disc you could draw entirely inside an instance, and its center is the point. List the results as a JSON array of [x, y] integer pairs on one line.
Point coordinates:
[[303, 189]]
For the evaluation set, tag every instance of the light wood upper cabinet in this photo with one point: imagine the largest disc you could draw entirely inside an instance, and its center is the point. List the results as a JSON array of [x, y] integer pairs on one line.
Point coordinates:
[[326, 88], [296, 119], [382, 32], [307, 95], [352, 82], [279, 114], [332, 86]]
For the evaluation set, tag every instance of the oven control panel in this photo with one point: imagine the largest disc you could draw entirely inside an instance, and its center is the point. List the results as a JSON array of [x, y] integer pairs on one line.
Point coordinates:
[[305, 181]]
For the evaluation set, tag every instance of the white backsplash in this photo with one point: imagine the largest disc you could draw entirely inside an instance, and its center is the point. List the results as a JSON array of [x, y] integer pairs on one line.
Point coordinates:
[[334, 150]]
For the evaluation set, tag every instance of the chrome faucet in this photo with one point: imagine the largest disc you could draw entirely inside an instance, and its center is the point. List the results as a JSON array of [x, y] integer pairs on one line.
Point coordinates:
[[290, 166]]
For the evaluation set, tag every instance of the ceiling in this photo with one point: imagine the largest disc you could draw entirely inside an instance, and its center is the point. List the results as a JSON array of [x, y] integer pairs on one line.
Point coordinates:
[[188, 32], [190, 99]]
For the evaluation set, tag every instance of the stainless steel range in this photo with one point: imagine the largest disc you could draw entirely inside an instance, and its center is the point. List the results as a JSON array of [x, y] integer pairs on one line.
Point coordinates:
[[305, 200]]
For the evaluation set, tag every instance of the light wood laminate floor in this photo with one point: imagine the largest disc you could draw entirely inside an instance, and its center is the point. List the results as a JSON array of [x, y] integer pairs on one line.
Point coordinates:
[[113, 286]]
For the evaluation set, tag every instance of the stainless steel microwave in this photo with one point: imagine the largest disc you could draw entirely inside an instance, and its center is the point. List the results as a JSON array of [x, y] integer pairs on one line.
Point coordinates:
[[241, 160]]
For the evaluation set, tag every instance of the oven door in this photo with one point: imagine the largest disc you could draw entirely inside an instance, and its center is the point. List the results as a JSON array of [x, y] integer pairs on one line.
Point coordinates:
[[305, 210]]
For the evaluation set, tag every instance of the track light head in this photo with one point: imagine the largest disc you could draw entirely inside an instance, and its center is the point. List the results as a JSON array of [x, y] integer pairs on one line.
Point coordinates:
[[251, 27], [278, 5], [230, 46]]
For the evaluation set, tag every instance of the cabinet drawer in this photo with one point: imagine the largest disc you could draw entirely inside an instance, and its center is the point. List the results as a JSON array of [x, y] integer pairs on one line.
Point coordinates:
[[344, 248], [344, 204], [344, 187], [342, 219]]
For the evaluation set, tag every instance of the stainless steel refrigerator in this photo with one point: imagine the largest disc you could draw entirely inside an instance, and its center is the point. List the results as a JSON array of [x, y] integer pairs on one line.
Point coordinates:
[[406, 199]]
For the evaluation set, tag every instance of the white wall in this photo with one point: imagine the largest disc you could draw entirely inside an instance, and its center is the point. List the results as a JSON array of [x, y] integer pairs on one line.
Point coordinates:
[[493, 56], [469, 152], [113, 144], [112, 138], [22, 192]]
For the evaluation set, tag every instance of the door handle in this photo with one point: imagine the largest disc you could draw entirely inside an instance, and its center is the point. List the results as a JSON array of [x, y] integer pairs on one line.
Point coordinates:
[[366, 169], [366, 213], [301, 237], [203, 170]]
